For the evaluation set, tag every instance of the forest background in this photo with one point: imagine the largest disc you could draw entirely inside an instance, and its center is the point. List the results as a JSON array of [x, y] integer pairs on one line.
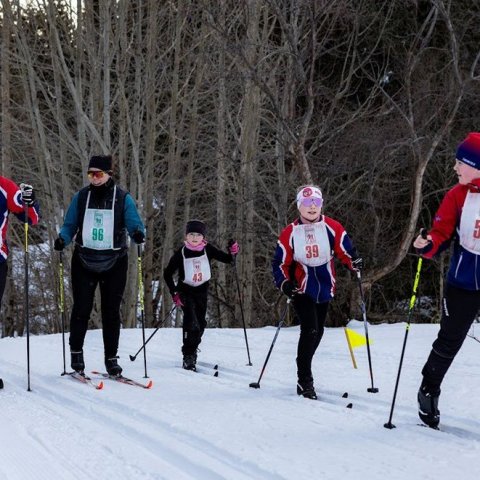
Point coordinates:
[[219, 110]]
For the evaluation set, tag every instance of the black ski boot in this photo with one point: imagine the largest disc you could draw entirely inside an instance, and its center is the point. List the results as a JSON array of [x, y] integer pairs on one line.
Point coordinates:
[[190, 362], [77, 361], [428, 406], [112, 366], [306, 389]]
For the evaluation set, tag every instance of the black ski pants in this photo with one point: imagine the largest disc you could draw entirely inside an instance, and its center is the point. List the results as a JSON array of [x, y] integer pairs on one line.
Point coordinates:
[[112, 285], [312, 322], [459, 309], [3, 278], [194, 323]]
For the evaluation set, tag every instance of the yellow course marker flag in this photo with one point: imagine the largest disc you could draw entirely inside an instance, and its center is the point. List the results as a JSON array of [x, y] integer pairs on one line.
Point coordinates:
[[354, 340]]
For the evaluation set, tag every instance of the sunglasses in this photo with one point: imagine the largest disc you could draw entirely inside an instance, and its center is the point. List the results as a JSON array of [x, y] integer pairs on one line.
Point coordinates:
[[308, 202], [95, 174]]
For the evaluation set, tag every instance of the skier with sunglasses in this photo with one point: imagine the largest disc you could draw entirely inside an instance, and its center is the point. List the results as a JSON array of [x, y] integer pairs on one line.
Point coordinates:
[[303, 269], [98, 219]]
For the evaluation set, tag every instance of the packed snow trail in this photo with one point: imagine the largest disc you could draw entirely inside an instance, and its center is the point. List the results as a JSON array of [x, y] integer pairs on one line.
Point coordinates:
[[197, 426]]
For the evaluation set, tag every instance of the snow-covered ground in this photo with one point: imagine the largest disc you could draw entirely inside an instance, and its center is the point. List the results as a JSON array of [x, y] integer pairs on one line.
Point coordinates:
[[195, 426]]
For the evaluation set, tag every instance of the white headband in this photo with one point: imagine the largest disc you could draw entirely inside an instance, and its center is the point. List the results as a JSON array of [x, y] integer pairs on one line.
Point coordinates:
[[308, 192]]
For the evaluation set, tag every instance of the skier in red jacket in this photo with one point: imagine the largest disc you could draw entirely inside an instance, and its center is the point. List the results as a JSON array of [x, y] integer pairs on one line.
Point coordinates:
[[457, 221], [303, 268], [13, 199]]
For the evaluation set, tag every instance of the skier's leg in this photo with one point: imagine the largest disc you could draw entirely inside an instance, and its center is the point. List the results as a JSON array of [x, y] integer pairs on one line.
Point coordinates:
[[84, 284], [112, 286]]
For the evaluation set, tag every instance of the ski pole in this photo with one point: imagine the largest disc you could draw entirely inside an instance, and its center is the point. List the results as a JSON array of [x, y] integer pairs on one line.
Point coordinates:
[[141, 301], [62, 306], [372, 389], [472, 335], [280, 323], [159, 324], [241, 305], [413, 300], [26, 313]]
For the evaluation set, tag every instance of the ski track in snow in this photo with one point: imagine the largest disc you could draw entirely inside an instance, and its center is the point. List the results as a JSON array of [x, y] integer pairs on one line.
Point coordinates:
[[184, 455], [197, 426]]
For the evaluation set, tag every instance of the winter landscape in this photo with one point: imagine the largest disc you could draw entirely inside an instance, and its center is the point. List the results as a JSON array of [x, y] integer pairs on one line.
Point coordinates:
[[197, 426]]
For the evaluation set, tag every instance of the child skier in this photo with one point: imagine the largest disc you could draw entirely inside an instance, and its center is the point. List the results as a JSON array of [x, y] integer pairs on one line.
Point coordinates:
[[192, 262], [303, 268], [458, 221]]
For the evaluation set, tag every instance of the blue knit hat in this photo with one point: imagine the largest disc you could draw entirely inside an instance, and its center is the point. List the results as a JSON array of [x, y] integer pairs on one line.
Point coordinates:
[[468, 151]]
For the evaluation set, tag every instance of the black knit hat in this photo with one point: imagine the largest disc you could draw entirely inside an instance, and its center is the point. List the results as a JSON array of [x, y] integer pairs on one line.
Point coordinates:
[[196, 226], [102, 162]]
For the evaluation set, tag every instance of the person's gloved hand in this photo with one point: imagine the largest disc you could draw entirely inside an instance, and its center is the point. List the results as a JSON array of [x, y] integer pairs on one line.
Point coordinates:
[[357, 263], [233, 247], [423, 243], [177, 300], [28, 194], [289, 289], [59, 244], [138, 237]]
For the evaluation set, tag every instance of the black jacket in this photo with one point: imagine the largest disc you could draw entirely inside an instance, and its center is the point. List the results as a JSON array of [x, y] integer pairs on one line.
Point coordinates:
[[176, 264]]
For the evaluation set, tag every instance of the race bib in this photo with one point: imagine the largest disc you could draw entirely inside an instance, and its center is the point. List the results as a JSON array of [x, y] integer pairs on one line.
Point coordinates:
[[311, 246], [470, 223], [98, 226], [197, 270]]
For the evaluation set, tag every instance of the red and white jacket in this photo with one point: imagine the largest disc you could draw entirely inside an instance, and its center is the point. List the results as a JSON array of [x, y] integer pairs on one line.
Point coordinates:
[[458, 220], [305, 256], [11, 201]]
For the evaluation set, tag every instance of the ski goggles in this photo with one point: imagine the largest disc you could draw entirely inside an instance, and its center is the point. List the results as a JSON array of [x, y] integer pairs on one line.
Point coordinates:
[[309, 193], [96, 174], [309, 201]]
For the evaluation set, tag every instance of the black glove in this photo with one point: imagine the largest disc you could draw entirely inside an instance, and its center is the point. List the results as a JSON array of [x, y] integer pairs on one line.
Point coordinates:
[[138, 237], [425, 249], [28, 195], [289, 289], [357, 263], [59, 244]]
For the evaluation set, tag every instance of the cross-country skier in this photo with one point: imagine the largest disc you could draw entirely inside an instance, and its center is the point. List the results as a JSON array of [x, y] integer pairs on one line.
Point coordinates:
[[13, 200], [192, 262], [303, 268], [456, 222], [98, 219]]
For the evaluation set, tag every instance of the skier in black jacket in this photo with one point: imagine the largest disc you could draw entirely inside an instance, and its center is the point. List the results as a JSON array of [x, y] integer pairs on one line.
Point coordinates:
[[192, 262]]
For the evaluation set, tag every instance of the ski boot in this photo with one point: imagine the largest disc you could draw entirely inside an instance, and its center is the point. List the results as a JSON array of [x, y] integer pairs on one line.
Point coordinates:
[[190, 362], [428, 406], [77, 362], [305, 389], [112, 366]]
